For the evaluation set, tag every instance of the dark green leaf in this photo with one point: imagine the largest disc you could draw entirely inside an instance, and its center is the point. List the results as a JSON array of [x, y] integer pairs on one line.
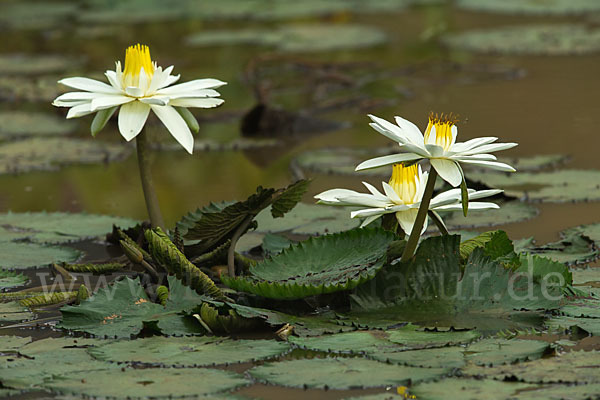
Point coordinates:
[[289, 198]]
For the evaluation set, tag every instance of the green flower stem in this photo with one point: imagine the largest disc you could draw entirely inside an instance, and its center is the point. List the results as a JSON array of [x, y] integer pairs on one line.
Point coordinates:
[[413, 239], [156, 218], [236, 236]]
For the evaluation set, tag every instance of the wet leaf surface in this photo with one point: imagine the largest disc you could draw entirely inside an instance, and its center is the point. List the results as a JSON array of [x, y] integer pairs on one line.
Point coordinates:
[[49, 154], [18, 255], [565, 39]]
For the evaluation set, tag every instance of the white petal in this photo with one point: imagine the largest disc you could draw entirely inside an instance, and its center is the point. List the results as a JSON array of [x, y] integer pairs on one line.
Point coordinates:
[[407, 218], [89, 85], [374, 191], [432, 136], [449, 196], [156, 100], [200, 103], [368, 220], [176, 125], [134, 91], [471, 144], [454, 131], [472, 206], [478, 194], [491, 164], [368, 212], [132, 117], [387, 160], [391, 193], [364, 199], [478, 157], [448, 170], [190, 86], [410, 130], [79, 110], [196, 93], [387, 129], [331, 197], [486, 148], [435, 150], [77, 97], [114, 80], [103, 102]]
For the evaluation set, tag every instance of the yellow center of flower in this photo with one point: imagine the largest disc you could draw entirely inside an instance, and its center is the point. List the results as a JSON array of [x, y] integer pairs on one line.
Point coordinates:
[[404, 182], [136, 58], [443, 129]]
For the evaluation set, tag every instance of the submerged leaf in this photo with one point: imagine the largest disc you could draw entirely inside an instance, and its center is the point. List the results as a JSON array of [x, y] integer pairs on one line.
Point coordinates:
[[319, 265]]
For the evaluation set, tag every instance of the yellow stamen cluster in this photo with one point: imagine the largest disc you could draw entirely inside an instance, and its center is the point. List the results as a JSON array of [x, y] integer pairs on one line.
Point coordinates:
[[136, 58], [443, 128], [404, 182]]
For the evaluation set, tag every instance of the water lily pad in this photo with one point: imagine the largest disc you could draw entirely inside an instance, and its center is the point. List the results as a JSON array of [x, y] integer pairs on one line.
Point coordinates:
[[591, 231], [51, 153], [341, 373], [11, 343], [123, 309], [343, 161], [13, 311], [412, 338], [588, 308], [574, 248], [502, 351], [563, 323], [561, 392], [469, 389], [58, 227], [308, 219], [143, 383], [9, 279], [189, 351], [39, 64], [532, 7], [18, 124], [26, 255], [296, 38], [509, 212], [583, 276], [553, 187], [35, 15], [571, 367], [349, 342], [536, 163], [442, 357], [30, 88], [563, 39], [319, 265]]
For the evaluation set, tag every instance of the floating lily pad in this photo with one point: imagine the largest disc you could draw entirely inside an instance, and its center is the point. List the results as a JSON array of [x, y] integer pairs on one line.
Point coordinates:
[[535, 163], [503, 351], [532, 7], [9, 279], [589, 325], [296, 38], [123, 309], [421, 339], [469, 389], [40, 363], [58, 227], [583, 276], [28, 64], [18, 124], [14, 311], [35, 15], [561, 392], [574, 248], [11, 343], [308, 219], [509, 212], [26, 255], [564, 39], [189, 351], [143, 383], [571, 367], [591, 231], [349, 342], [30, 89], [51, 153], [341, 373], [343, 161], [319, 265], [588, 308], [134, 11], [553, 187]]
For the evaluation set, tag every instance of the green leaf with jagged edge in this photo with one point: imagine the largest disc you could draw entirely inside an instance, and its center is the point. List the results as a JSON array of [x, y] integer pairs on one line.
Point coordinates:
[[190, 219], [308, 219], [493, 351], [432, 290], [20, 124], [128, 383], [563, 323], [532, 7], [560, 186], [509, 212], [320, 265], [18, 255], [216, 224], [545, 270], [571, 367], [495, 244], [573, 248], [289, 198], [13, 311], [123, 309], [51, 153], [9, 279], [58, 227], [275, 244], [461, 388], [308, 325], [188, 351], [341, 373]]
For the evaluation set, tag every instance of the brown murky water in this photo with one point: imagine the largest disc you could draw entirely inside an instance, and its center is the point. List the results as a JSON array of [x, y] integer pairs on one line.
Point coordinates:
[[550, 107]]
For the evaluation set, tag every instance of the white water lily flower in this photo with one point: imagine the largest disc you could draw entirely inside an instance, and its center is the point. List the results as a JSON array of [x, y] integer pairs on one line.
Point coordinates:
[[438, 144], [141, 87], [403, 195]]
